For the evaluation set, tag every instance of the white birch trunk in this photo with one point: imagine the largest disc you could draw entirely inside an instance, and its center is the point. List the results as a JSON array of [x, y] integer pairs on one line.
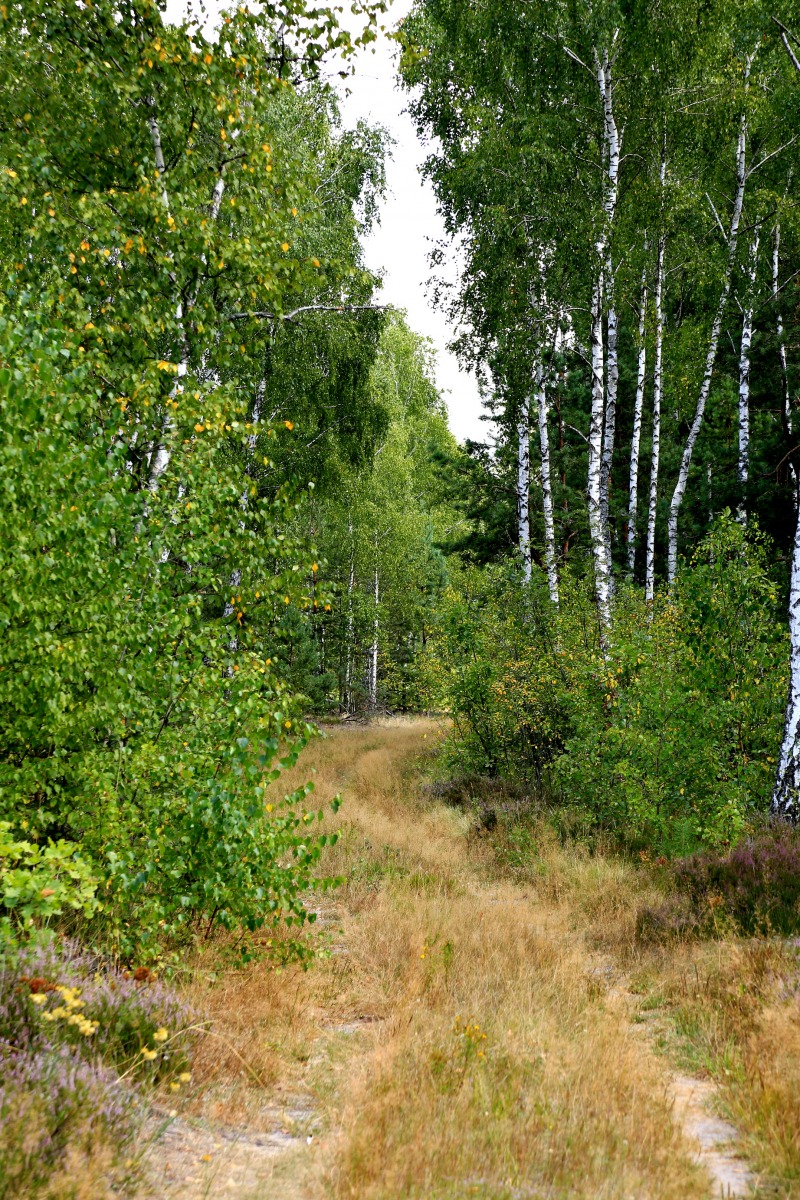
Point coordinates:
[[610, 422], [636, 436], [658, 369], [743, 465], [705, 387], [596, 530], [786, 794], [594, 485], [524, 489], [547, 489], [610, 190]]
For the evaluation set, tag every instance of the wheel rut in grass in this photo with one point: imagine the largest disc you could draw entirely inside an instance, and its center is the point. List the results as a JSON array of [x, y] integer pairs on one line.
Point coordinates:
[[457, 1038]]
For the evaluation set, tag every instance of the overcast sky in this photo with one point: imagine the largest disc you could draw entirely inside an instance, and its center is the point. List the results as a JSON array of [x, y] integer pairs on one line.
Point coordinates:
[[409, 224]]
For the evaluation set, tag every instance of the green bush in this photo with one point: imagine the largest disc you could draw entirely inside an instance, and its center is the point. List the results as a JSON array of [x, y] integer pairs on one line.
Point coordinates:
[[39, 882], [670, 737]]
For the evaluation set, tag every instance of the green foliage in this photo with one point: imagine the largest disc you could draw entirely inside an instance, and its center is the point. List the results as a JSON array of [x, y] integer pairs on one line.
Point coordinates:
[[154, 546], [670, 740], [38, 882]]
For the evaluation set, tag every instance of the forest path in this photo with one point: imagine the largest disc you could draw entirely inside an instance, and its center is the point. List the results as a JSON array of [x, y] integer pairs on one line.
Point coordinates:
[[459, 1035]]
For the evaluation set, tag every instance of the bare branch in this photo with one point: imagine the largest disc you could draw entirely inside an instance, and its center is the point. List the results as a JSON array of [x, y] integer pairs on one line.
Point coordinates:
[[296, 312], [716, 217], [785, 35]]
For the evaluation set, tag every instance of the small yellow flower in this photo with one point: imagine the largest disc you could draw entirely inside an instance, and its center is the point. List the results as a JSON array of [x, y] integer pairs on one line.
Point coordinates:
[[185, 1076], [39, 998], [160, 1035], [148, 1054]]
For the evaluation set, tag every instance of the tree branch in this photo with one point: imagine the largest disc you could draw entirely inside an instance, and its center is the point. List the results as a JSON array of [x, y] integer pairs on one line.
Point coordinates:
[[296, 312]]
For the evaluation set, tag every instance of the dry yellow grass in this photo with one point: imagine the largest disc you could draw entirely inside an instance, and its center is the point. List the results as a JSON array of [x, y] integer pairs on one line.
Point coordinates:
[[492, 1060], [730, 1009]]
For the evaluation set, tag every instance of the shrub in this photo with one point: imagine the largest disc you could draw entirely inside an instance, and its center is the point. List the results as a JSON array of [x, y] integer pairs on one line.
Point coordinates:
[[80, 1040], [757, 883], [669, 738], [39, 882]]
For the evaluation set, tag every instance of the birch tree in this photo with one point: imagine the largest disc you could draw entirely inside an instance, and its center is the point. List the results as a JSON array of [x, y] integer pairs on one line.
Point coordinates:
[[743, 463], [524, 488], [547, 488], [636, 436], [655, 453]]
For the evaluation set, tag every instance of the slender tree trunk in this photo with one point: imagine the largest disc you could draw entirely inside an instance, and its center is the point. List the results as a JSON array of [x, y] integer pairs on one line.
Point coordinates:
[[161, 454], [610, 423], [524, 488], [611, 186], [652, 508], [373, 665], [236, 574], [596, 530], [786, 794], [743, 465], [633, 484], [597, 476], [351, 579], [547, 490], [787, 402], [705, 387]]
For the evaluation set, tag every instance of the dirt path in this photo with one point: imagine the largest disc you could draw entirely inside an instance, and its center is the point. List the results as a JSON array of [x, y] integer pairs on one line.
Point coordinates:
[[457, 1036]]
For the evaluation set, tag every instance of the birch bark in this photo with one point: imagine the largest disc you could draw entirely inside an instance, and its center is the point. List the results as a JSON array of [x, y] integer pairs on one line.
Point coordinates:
[[610, 423], [547, 489], [705, 387], [658, 368], [743, 465], [786, 794], [636, 436], [524, 489], [596, 530], [611, 151]]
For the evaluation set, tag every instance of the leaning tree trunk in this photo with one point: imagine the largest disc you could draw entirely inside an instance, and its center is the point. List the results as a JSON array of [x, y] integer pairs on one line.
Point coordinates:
[[547, 489], [636, 437], [524, 489], [705, 387], [786, 795]]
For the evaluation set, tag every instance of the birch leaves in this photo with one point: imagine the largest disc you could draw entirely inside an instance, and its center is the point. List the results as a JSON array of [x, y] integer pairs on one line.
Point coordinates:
[[610, 173]]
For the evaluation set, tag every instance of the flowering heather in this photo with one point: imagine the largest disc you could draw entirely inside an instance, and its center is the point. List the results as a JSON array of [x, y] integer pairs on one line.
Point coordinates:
[[757, 883], [78, 1041]]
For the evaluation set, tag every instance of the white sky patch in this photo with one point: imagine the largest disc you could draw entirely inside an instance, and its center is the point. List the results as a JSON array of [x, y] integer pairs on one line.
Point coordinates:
[[409, 223]]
